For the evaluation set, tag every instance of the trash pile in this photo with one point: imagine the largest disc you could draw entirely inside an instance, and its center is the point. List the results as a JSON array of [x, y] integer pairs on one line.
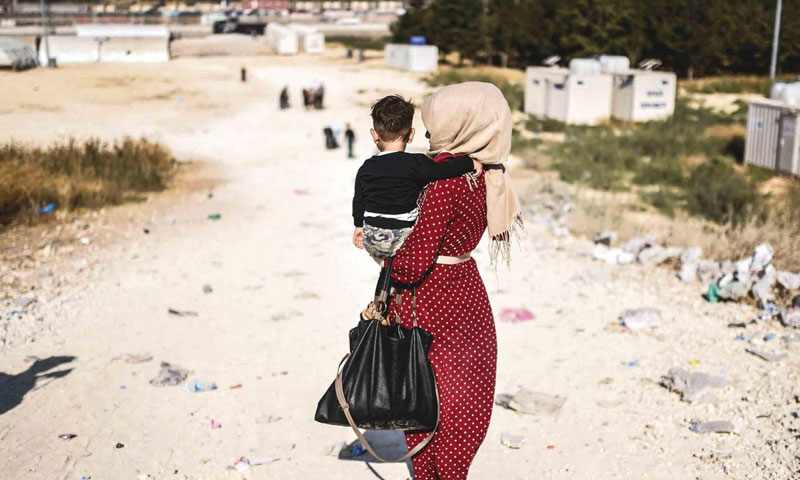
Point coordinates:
[[733, 280]]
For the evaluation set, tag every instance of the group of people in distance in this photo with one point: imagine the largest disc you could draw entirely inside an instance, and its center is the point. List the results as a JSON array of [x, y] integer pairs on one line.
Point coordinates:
[[313, 97]]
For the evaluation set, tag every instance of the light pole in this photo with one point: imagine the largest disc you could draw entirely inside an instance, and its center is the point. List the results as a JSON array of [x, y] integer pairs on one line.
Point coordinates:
[[44, 33], [775, 35]]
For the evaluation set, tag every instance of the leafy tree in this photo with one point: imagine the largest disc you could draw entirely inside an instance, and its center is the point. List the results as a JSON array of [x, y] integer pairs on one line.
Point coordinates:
[[459, 26]]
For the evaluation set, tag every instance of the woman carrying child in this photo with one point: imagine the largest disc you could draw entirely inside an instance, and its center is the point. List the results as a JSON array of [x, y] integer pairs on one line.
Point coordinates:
[[451, 302]]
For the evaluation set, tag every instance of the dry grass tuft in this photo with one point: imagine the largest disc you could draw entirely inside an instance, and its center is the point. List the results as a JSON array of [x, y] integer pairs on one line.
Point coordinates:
[[76, 174]]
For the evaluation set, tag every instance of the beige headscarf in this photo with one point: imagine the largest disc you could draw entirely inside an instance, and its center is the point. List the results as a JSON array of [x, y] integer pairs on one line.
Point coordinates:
[[473, 119]]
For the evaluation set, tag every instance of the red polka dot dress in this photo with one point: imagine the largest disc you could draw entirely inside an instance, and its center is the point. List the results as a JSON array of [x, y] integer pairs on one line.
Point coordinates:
[[453, 305]]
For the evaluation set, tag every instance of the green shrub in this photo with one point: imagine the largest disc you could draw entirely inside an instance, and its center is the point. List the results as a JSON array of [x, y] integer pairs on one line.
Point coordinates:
[[594, 156], [665, 200], [544, 124], [356, 43], [760, 85], [716, 191]]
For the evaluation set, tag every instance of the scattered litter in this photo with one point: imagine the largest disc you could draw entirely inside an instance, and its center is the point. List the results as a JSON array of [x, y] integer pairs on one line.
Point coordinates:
[[268, 419], [612, 255], [712, 295], [24, 301], [306, 296], [733, 290], [86, 477], [119, 445], [67, 436], [169, 375], [769, 357], [12, 313], [170, 221], [694, 387], [637, 244], [334, 448], [769, 337], [512, 441], [134, 358], [215, 216], [551, 447], [516, 315], [234, 387], [275, 317], [633, 363], [301, 191], [86, 240], [207, 289], [182, 313], [196, 385], [791, 317], [690, 258], [606, 238], [357, 450], [532, 403], [640, 318], [49, 208], [146, 231], [656, 255], [610, 403], [694, 361], [787, 280], [215, 425], [245, 463], [717, 426]]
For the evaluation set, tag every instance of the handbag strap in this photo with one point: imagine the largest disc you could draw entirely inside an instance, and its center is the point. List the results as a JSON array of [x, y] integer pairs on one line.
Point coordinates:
[[346, 408]]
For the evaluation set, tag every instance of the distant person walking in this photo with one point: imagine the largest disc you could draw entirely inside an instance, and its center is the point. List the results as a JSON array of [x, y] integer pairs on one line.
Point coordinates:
[[330, 138], [350, 136], [284, 98]]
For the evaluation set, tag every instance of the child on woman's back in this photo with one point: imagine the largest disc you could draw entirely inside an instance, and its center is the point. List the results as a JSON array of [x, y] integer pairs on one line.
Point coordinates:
[[388, 184]]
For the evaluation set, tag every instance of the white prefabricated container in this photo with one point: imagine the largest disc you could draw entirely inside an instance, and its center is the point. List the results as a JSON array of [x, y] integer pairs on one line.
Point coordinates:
[[578, 95], [121, 31], [642, 95], [773, 136], [71, 50], [786, 92], [412, 58], [309, 38], [614, 63], [109, 43], [282, 39], [16, 54]]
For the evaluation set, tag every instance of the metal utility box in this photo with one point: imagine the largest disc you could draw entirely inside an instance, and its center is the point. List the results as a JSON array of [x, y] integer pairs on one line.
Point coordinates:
[[642, 95], [412, 58], [773, 136], [578, 95]]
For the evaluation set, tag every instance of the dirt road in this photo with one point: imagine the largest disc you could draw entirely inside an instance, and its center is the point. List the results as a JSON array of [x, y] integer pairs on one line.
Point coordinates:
[[286, 288]]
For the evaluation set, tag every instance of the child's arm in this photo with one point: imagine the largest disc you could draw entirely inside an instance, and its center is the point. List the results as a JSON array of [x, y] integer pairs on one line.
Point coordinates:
[[358, 203], [429, 171]]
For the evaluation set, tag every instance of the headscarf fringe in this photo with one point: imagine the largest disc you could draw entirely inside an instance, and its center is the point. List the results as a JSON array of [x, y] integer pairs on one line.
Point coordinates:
[[500, 245]]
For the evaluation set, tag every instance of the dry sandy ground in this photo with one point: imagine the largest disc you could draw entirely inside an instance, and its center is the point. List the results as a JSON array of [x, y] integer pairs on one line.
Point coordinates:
[[286, 288]]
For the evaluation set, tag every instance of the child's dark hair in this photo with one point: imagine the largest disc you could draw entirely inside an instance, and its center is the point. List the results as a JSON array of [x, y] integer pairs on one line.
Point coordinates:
[[392, 117]]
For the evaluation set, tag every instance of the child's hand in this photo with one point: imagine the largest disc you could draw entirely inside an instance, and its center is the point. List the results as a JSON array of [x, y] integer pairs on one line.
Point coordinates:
[[358, 238], [478, 166]]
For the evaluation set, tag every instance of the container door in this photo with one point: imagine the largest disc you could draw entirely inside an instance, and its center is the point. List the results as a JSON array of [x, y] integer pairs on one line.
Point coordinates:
[[787, 143]]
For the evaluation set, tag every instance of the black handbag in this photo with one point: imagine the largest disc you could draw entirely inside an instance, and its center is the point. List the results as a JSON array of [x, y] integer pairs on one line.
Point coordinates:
[[386, 382]]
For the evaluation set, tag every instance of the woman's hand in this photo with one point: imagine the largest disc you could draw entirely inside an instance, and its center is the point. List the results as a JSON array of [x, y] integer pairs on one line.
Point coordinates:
[[478, 166], [358, 238]]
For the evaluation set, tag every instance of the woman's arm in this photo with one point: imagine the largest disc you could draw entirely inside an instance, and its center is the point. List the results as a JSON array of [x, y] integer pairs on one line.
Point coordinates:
[[415, 259]]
